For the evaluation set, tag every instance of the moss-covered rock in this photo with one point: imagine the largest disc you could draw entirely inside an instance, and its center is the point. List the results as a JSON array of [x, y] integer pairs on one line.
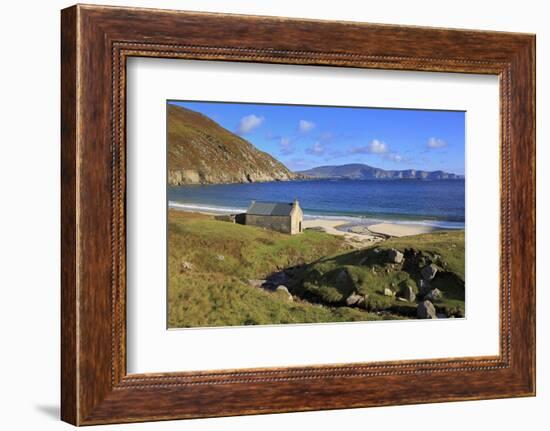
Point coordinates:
[[385, 280]]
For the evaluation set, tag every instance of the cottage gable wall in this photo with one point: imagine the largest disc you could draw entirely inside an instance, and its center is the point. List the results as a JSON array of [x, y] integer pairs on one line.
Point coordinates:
[[296, 219]]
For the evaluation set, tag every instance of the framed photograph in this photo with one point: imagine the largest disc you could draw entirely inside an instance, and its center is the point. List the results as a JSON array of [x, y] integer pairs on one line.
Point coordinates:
[[324, 214]]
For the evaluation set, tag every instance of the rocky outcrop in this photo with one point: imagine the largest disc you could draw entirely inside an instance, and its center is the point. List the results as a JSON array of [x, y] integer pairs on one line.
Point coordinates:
[[423, 287], [395, 256], [426, 310], [434, 295], [407, 292], [200, 151], [184, 176], [388, 292], [355, 300], [428, 272], [406, 281], [284, 293]]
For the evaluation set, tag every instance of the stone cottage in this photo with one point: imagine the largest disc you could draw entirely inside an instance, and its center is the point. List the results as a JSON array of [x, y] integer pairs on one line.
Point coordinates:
[[281, 217]]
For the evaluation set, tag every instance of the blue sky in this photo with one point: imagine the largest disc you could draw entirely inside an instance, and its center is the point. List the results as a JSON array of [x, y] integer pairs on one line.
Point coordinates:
[[303, 137]]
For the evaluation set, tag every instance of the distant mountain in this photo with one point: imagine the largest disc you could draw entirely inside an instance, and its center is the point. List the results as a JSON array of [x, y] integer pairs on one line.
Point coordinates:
[[200, 151], [359, 171]]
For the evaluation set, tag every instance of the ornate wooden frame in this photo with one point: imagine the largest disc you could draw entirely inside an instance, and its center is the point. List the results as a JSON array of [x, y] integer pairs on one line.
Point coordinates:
[[96, 41]]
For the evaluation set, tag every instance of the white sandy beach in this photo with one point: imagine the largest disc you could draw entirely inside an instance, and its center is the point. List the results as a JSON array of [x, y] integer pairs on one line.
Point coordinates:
[[357, 240], [395, 229], [377, 230], [373, 233]]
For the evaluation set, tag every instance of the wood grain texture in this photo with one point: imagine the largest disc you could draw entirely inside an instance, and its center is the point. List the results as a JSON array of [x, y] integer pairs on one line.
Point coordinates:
[[69, 371], [96, 41]]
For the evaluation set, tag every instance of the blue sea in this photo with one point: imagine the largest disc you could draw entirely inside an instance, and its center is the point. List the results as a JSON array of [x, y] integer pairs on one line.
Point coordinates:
[[438, 203]]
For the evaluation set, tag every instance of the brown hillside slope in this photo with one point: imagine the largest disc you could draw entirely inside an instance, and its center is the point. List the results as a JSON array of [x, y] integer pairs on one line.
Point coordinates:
[[200, 151]]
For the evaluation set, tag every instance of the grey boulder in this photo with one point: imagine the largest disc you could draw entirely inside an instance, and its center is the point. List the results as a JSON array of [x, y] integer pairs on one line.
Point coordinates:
[[395, 256], [426, 310], [434, 294], [423, 287], [407, 293], [428, 272], [388, 292], [283, 291], [355, 300]]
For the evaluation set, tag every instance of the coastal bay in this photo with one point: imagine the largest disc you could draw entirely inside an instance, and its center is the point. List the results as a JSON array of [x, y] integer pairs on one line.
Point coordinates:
[[260, 231]]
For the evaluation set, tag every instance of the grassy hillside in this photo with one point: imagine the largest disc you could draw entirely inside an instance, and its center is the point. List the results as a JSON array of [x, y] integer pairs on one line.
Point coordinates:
[[200, 151], [213, 266], [211, 263]]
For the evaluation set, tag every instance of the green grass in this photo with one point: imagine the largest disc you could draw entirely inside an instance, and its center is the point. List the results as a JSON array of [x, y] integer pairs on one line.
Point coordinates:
[[248, 251], [224, 256], [215, 291]]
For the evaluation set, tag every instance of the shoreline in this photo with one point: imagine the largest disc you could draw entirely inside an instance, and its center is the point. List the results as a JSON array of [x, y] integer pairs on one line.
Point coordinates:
[[424, 225], [357, 232]]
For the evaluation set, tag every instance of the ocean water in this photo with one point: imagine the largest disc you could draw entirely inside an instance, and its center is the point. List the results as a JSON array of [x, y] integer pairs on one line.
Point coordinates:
[[437, 203]]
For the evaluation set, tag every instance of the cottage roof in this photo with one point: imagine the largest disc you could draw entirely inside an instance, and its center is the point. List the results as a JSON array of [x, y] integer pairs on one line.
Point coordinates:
[[270, 208]]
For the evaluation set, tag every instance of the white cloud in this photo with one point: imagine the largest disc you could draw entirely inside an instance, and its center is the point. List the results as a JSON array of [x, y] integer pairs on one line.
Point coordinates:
[[396, 157], [378, 147], [436, 143], [381, 149], [286, 146], [373, 147], [317, 149], [249, 123], [305, 126]]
